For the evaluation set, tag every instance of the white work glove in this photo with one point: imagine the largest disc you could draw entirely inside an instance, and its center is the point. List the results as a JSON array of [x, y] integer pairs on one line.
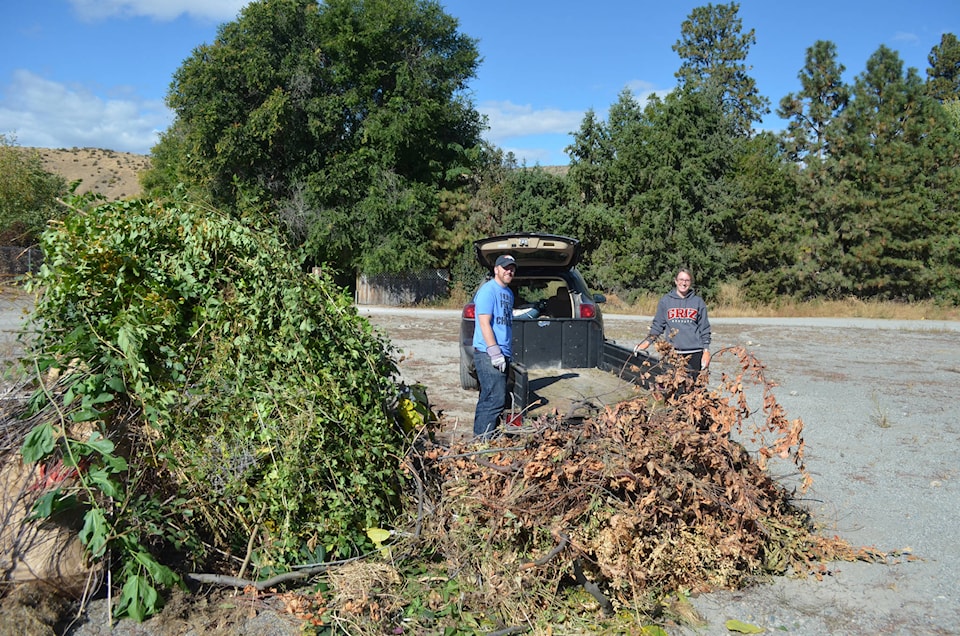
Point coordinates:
[[496, 358]]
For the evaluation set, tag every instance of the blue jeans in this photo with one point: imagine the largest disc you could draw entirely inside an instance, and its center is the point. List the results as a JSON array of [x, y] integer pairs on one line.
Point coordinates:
[[493, 395]]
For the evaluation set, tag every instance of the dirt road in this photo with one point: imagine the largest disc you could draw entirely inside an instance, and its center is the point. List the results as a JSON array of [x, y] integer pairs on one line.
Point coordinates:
[[879, 404]]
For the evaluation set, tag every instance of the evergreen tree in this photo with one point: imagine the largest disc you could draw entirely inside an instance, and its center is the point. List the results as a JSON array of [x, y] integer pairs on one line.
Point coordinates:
[[681, 150], [807, 143], [538, 202], [943, 76], [627, 127], [590, 157], [952, 109], [590, 214], [768, 224], [713, 50], [822, 97], [895, 170]]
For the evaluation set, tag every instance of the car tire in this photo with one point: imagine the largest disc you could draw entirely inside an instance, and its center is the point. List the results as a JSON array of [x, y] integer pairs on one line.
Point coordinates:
[[467, 380]]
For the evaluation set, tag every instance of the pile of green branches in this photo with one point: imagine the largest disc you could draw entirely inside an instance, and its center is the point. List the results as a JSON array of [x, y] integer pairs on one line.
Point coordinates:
[[220, 406]]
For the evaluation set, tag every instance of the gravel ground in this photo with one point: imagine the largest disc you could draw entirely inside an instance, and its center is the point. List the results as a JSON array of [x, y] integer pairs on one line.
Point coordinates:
[[878, 402]]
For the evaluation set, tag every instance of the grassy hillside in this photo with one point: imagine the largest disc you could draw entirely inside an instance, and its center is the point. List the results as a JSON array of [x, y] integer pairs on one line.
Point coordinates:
[[111, 173]]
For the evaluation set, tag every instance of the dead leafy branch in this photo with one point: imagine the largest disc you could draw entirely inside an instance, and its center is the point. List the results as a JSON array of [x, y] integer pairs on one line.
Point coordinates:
[[650, 498]]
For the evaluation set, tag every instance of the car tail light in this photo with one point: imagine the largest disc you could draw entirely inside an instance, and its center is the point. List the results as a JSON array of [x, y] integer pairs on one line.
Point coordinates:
[[588, 310], [469, 311]]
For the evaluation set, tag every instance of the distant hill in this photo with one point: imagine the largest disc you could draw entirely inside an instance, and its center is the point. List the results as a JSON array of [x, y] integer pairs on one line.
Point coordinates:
[[111, 173], [557, 171], [115, 174]]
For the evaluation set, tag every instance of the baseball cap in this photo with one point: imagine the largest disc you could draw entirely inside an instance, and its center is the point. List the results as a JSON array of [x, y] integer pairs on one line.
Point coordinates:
[[505, 260]]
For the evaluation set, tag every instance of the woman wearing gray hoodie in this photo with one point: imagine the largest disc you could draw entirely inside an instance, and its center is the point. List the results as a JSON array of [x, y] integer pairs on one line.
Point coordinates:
[[682, 316]]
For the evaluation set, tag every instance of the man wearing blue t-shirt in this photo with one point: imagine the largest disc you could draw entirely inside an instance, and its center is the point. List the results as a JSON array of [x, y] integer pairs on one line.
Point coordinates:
[[492, 336]]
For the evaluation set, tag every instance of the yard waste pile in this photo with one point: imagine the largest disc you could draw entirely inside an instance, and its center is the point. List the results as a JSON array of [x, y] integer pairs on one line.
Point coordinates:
[[648, 500], [198, 403]]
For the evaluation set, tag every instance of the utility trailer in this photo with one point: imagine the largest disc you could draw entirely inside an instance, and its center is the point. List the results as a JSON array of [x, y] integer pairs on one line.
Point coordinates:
[[556, 322], [572, 344]]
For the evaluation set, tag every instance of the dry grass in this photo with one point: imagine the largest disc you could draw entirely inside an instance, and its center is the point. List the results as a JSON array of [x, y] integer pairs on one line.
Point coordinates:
[[731, 304], [111, 173]]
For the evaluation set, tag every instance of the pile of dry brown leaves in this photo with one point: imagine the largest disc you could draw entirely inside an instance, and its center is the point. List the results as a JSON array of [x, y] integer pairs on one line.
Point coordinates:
[[647, 499]]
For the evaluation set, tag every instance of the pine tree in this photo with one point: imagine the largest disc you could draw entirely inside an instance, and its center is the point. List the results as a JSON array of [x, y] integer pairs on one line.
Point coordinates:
[[822, 97], [812, 115], [713, 49], [943, 76], [897, 175]]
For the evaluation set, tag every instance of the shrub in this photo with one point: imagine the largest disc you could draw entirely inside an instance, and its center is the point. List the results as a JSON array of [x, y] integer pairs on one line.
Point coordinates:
[[227, 381]]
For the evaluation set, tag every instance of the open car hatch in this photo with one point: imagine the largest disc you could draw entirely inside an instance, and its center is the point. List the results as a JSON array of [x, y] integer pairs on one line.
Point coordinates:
[[530, 250]]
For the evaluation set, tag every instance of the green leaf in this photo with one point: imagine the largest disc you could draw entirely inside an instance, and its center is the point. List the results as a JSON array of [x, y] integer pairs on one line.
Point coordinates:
[[126, 340], [95, 532], [85, 415], [138, 599], [116, 383], [115, 463], [158, 572], [744, 628], [378, 535], [43, 507], [102, 398], [101, 478], [100, 444], [51, 503], [69, 396], [38, 443]]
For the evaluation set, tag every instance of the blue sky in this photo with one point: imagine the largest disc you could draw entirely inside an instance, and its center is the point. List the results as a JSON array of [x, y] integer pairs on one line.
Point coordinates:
[[76, 73]]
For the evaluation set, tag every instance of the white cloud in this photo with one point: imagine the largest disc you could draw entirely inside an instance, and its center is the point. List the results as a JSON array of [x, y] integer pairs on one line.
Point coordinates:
[[214, 10], [45, 114], [535, 156], [643, 90], [906, 38], [510, 121]]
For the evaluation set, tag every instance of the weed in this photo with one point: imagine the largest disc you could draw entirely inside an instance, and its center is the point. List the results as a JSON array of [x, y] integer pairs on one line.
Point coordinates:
[[881, 414]]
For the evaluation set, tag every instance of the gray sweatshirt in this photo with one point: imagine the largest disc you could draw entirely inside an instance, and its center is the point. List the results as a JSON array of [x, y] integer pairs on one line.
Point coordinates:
[[683, 320]]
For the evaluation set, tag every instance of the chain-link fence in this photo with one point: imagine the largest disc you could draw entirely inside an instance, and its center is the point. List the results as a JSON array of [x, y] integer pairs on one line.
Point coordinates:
[[398, 290], [16, 261]]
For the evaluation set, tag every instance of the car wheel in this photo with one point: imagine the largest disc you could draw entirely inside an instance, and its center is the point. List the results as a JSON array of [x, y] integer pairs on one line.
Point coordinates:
[[467, 380]]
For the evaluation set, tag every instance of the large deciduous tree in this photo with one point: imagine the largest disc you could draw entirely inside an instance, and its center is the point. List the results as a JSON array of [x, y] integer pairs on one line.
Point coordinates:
[[713, 50], [343, 118]]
